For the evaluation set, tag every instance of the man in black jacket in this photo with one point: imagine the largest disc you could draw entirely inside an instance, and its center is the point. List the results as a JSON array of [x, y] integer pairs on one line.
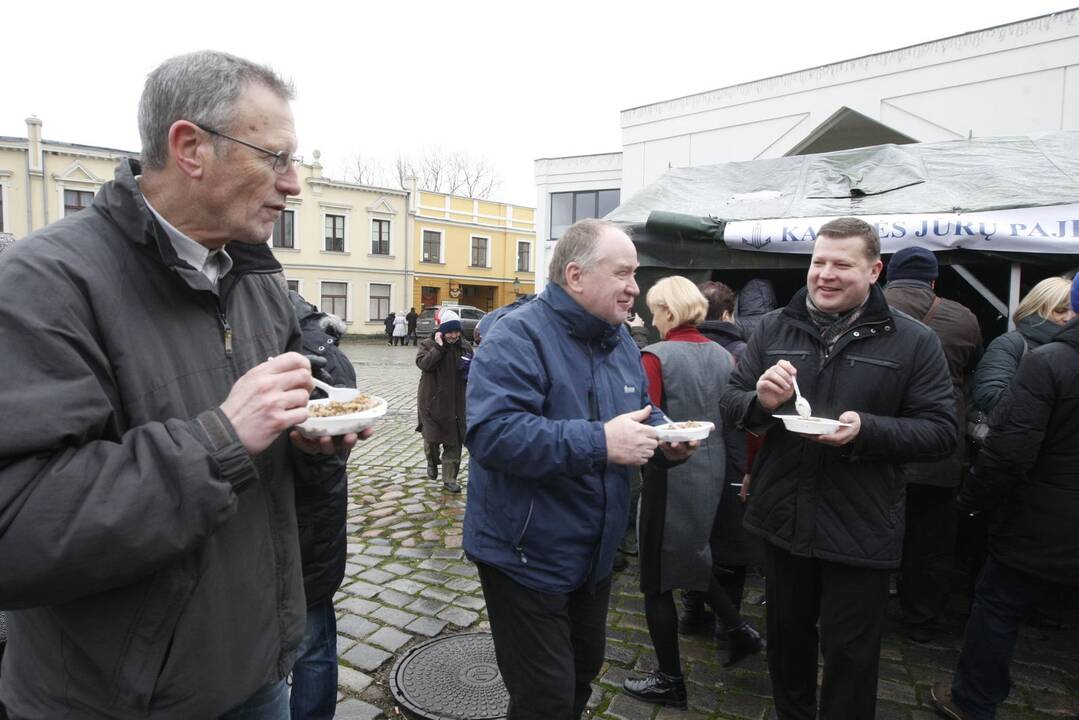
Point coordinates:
[[321, 510], [1026, 477], [830, 507], [931, 518]]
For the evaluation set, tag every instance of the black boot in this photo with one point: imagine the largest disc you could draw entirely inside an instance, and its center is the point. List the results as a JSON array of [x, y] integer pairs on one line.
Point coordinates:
[[432, 470], [745, 641], [658, 688], [695, 619]]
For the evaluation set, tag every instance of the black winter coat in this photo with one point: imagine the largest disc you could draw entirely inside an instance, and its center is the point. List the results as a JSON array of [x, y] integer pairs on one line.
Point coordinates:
[[997, 367], [961, 338], [1028, 471], [754, 301], [321, 508], [728, 536], [844, 504]]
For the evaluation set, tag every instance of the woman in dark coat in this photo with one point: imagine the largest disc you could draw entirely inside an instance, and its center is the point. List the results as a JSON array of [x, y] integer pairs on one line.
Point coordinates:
[[444, 359], [687, 373], [1027, 479], [1038, 318]]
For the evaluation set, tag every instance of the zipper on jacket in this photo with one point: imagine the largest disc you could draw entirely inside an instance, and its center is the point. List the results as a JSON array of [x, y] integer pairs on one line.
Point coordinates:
[[518, 545], [226, 330]]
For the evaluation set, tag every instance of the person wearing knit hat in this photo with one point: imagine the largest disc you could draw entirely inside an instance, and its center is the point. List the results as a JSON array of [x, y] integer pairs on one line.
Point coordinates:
[[930, 528], [444, 359], [450, 322], [1075, 294], [913, 263]]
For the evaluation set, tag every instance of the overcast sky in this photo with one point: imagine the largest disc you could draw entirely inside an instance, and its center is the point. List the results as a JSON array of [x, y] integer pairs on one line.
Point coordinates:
[[511, 81]]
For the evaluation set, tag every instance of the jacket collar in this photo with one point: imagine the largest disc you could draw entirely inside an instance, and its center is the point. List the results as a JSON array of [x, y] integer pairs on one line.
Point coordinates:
[[876, 308], [579, 322], [1069, 334], [915, 284], [1037, 329], [728, 332], [122, 202]]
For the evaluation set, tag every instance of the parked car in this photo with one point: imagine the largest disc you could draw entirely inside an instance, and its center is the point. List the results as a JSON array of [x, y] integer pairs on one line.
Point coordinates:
[[429, 319]]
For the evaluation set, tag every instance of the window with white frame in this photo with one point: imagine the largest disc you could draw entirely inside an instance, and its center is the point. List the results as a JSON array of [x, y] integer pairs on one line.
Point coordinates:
[[524, 256], [76, 200], [479, 251], [284, 230], [569, 207], [432, 246], [380, 237], [335, 299], [335, 233], [379, 301], [294, 286]]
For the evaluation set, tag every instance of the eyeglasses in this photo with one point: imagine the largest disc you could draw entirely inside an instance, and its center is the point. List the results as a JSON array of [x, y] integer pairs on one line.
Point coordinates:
[[281, 159]]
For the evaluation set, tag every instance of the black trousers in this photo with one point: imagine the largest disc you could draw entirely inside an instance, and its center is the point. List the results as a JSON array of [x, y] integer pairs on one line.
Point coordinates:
[[849, 603], [549, 646], [928, 552]]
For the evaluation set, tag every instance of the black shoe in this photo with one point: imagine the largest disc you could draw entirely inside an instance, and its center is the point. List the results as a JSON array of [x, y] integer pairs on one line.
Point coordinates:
[[657, 688], [695, 619], [943, 702], [451, 486], [920, 634], [620, 562], [745, 641], [432, 471]]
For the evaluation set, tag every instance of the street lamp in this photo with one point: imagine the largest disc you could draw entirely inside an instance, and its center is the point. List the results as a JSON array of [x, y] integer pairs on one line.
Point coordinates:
[[516, 285]]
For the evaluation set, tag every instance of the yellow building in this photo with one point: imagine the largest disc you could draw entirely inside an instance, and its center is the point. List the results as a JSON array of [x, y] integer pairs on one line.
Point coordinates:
[[42, 181], [345, 248], [470, 252]]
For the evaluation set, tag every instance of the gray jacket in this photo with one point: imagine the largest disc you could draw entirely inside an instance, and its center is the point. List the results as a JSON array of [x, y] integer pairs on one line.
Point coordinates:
[[149, 563]]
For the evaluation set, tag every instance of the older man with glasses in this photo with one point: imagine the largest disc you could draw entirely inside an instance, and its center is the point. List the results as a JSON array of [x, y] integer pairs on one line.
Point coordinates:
[[148, 548]]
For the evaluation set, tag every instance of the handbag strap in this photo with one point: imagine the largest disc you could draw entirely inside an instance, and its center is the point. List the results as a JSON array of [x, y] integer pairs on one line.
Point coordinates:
[[932, 310]]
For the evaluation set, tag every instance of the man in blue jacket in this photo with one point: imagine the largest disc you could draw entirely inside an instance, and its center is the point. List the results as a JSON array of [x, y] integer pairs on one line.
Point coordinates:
[[557, 413]]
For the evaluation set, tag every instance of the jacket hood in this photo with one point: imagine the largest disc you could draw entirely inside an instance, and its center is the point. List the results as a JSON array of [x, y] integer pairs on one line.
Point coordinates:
[[580, 323], [758, 297], [1037, 330], [721, 331]]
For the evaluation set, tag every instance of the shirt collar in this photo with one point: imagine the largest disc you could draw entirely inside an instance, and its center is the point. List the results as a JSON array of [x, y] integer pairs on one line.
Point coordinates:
[[214, 264]]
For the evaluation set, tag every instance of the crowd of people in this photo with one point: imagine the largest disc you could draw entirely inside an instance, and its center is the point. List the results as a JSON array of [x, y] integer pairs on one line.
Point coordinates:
[[170, 545]]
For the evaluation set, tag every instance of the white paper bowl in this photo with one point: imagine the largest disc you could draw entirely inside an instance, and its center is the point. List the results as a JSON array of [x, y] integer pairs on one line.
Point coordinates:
[[810, 426], [669, 432], [335, 425]]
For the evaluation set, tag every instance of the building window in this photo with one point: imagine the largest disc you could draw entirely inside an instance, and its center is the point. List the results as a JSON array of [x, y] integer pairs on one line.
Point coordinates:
[[432, 246], [75, 200], [524, 257], [335, 233], [380, 237], [479, 252], [335, 299], [379, 306], [294, 285], [569, 207], [284, 230]]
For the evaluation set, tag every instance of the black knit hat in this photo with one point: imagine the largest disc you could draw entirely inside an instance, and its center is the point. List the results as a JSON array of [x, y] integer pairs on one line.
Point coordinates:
[[913, 263]]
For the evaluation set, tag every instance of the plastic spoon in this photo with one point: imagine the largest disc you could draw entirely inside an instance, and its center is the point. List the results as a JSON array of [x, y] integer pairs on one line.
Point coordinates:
[[801, 404], [335, 393]]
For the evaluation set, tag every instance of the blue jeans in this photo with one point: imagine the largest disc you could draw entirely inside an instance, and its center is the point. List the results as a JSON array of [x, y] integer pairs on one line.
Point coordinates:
[[1002, 599], [269, 703], [314, 676]]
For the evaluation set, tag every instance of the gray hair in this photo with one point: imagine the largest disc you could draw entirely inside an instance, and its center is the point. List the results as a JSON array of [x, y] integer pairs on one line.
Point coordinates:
[[202, 87], [578, 244]]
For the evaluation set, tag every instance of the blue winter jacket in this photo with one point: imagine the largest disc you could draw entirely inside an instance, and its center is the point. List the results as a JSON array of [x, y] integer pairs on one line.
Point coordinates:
[[544, 507]]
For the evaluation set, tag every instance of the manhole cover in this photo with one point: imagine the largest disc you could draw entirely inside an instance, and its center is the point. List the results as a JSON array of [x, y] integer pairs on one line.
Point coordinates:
[[451, 678]]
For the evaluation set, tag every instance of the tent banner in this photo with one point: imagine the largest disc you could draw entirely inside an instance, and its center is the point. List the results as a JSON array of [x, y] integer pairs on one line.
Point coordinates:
[[1048, 229]]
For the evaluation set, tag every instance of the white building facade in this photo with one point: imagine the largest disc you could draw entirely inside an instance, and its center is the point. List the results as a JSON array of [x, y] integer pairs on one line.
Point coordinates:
[[1013, 79]]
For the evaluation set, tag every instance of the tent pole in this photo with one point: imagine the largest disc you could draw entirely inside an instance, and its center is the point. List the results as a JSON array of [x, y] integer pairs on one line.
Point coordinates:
[[981, 288], [1013, 293]]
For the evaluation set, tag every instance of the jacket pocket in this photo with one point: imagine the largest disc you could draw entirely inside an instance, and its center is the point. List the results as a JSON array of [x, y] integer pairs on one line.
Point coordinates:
[[150, 636], [518, 543], [780, 353], [853, 361]]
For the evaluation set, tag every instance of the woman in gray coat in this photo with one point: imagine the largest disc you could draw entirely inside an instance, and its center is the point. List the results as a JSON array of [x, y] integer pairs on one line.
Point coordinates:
[[687, 374]]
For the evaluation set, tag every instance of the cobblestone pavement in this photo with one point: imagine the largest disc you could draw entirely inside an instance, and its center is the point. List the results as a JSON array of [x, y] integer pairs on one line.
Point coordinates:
[[407, 581]]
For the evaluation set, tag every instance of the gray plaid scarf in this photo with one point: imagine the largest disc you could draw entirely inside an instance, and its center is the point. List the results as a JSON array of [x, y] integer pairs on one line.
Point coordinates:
[[833, 326]]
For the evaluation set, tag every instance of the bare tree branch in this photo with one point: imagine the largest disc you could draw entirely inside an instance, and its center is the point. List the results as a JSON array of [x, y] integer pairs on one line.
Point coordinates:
[[435, 169], [364, 170]]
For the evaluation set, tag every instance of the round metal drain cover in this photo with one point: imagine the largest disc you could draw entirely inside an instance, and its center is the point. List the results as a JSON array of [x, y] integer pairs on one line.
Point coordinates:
[[451, 678]]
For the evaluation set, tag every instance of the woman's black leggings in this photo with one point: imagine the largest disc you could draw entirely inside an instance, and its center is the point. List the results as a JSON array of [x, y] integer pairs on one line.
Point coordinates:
[[662, 618]]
